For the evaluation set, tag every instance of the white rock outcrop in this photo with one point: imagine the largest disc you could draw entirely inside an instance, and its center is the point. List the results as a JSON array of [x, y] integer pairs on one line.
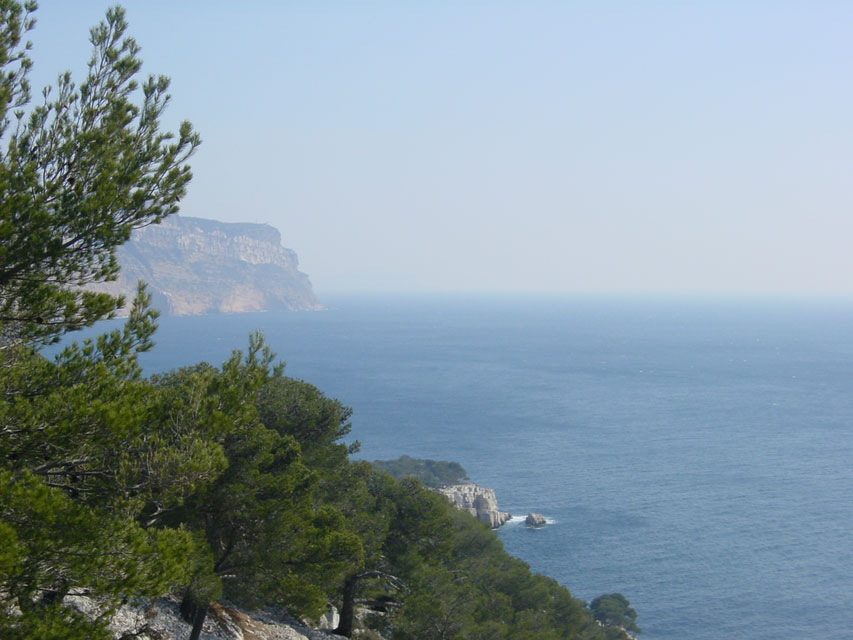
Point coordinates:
[[480, 502], [161, 620], [535, 520]]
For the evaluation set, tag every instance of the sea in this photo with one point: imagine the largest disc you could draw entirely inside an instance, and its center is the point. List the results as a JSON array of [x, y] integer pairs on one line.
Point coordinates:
[[692, 453]]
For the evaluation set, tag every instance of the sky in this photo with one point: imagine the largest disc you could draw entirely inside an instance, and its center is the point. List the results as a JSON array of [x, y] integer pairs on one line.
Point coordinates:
[[596, 146]]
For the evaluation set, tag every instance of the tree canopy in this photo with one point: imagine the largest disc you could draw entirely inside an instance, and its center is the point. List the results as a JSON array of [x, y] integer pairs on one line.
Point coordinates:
[[614, 610], [433, 473]]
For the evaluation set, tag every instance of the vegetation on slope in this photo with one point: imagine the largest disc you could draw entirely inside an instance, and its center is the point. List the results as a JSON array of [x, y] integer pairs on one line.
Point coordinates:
[[432, 473], [207, 481]]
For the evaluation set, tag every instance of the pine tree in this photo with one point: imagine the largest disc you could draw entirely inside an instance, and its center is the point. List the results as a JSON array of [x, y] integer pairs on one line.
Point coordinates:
[[78, 172], [269, 541]]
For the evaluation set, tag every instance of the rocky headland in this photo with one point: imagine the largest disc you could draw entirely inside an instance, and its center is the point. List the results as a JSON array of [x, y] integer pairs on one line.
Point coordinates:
[[480, 502], [196, 266], [450, 480]]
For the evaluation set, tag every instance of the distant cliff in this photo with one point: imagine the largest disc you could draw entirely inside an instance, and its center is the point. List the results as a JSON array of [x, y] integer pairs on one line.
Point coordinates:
[[194, 266]]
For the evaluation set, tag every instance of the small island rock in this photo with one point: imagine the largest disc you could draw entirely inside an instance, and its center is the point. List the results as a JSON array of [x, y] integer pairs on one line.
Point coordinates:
[[535, 520]]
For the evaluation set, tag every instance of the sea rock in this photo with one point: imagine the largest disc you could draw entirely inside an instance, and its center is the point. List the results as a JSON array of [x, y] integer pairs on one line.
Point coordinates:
[[194, 266], [478, 501], [535, 520]]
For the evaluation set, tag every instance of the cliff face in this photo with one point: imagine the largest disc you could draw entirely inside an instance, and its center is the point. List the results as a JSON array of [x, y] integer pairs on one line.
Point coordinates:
[[195, 266], [478, 501]]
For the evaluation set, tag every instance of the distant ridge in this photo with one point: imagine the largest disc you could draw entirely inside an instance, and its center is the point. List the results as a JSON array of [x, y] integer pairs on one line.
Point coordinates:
[[197, 266]]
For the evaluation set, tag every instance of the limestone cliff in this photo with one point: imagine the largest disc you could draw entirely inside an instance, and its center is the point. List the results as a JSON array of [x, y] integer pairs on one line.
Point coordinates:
[[194, 266], [478, 501]]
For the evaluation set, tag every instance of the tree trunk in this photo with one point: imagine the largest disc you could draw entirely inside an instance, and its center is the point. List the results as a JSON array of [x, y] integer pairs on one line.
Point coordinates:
[[198, 622], [347, 607], [194, 613], [52, 596]]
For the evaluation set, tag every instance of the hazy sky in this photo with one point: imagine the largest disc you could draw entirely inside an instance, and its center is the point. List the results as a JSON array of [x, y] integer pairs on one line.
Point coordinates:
[[578, 146]]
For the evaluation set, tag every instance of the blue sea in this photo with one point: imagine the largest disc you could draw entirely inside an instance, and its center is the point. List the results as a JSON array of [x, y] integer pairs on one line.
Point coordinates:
[[694, 454]]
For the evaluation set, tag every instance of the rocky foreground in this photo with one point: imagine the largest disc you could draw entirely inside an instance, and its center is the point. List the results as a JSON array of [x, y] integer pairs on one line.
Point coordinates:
[[161, 620]]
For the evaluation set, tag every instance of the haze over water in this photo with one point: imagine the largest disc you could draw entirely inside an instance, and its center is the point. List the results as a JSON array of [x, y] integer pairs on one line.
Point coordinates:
[[491, 145], [694, 455]]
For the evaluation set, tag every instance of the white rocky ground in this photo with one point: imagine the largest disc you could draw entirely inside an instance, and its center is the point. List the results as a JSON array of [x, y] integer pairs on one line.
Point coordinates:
[[161, 620]]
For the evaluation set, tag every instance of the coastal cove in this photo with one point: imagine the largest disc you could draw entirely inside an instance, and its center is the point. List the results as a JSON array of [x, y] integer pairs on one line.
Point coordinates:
[[691, 454]]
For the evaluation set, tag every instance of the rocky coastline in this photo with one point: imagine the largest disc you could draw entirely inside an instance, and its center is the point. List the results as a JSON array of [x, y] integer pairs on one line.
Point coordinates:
[[480, 502]]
